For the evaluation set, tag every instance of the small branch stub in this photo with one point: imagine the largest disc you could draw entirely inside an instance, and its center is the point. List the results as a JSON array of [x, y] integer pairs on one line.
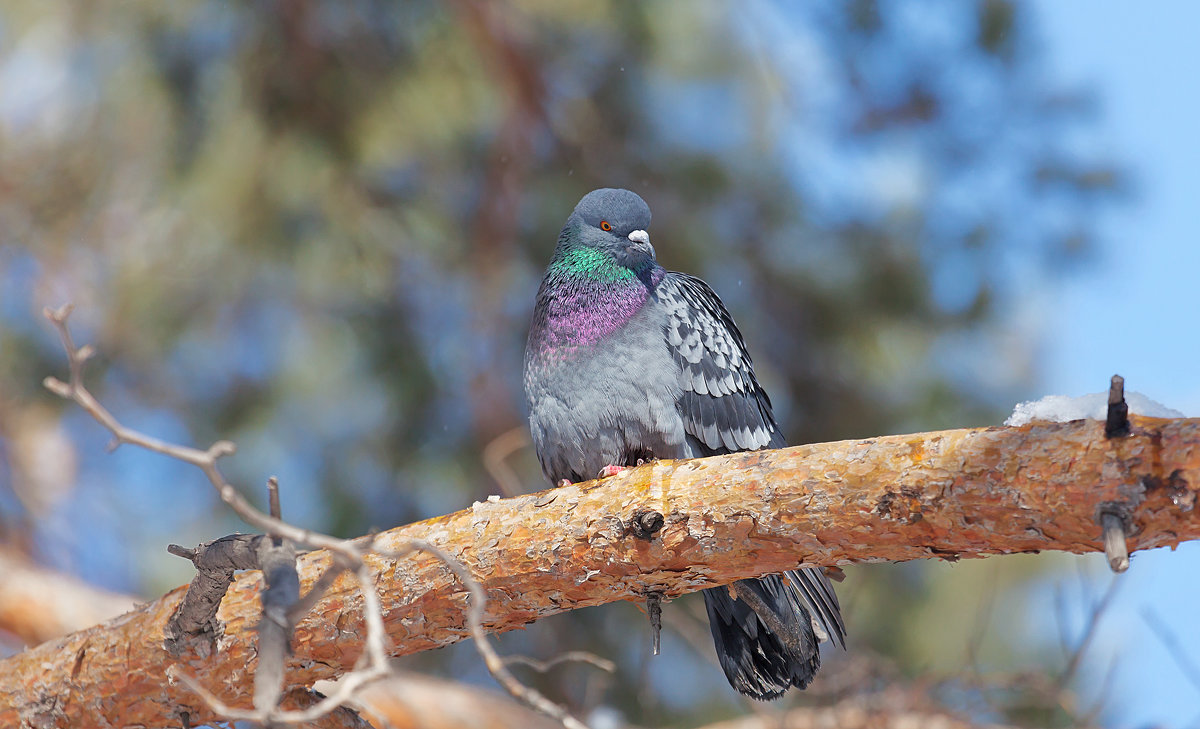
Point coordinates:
[[1113, 524], [654, 610], [1115, 548], [1116, 425]]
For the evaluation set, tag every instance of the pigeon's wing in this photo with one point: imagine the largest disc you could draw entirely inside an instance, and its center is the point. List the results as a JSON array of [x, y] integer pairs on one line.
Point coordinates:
[[725, 410], [721, 404]]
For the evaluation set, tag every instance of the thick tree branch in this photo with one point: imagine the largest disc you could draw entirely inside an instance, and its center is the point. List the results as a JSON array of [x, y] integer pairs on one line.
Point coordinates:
[[950, 494], [194, 625]]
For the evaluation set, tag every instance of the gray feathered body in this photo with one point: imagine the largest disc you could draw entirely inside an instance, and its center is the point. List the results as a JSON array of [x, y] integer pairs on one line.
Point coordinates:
[[628, 362], [588, 411]]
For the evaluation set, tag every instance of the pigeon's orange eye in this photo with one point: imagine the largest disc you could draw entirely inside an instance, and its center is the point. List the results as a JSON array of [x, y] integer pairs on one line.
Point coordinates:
[[604, 225]]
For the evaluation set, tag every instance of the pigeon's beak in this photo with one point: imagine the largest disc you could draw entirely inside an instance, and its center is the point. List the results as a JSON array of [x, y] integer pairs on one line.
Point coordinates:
[[642, 239]]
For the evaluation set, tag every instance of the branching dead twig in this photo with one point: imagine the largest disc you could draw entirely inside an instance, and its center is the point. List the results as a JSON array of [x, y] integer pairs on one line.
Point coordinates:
[[1076, 657], [280, 613], [205, 460], [495, 664], [569, 657], [375, 664], [495, 459], [1046, 689], [281, 592], [1158, 626]]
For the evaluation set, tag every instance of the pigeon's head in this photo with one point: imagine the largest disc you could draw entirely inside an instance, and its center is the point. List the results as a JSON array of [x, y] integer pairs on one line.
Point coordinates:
[[613, 221]]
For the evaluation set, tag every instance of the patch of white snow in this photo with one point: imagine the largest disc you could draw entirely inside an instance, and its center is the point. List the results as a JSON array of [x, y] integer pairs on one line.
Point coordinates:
[[1062, 408]]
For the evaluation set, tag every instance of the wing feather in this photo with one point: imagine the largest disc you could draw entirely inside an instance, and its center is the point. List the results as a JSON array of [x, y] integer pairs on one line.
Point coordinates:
[[725, 410], [721, 403]]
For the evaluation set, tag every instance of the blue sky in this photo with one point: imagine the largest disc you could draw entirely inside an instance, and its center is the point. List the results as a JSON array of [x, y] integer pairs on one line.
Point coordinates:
[[1142, 58], [1135, 312]]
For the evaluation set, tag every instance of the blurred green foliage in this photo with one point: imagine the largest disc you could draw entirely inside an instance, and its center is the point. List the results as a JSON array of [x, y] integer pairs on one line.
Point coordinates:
[[316, 228]]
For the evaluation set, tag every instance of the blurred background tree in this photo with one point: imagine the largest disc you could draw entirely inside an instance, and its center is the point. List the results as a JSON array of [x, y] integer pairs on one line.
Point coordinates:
[[316, 228]]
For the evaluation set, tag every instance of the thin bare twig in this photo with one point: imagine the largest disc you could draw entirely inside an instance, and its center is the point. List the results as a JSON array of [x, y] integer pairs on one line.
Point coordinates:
[[268, 712], [1060, 619], [373, 663], [310, 598], [1089, 717], [569, 657], [205, 460], [1158, 626], [495, 459], [982, 617], [276, 558], [492, 660], [1077, 655]]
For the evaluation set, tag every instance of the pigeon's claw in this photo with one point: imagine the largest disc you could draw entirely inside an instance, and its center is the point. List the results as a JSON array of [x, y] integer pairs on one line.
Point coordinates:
[[610, 470], [564, 482]]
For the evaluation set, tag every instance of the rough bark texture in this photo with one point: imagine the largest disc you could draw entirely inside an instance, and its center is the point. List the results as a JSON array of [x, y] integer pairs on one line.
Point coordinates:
[[950, 494]]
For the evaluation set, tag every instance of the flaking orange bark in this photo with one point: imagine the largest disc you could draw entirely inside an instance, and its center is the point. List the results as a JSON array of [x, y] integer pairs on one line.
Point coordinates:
[[948, 494]]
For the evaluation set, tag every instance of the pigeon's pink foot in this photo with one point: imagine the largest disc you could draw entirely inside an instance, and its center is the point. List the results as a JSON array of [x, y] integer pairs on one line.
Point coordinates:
[[611, 470], [564, 482]]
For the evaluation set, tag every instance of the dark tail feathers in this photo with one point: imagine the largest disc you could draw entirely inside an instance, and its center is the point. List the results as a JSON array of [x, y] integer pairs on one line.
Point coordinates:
[[757, 661]]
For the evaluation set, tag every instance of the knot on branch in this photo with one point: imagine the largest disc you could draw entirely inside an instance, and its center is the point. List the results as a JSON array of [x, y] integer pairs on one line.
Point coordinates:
[[1176, 488], [904, 505], [645, 523]]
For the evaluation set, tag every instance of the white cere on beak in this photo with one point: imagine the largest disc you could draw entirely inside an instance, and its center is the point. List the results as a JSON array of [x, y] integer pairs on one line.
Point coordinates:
[[640, 236]]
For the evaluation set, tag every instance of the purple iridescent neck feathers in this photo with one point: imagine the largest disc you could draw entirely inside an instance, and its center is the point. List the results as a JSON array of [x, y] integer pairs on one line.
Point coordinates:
[[586, 296]]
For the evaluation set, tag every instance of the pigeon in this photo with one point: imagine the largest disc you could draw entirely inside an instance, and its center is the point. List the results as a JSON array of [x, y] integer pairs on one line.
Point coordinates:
[[627, 362]]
